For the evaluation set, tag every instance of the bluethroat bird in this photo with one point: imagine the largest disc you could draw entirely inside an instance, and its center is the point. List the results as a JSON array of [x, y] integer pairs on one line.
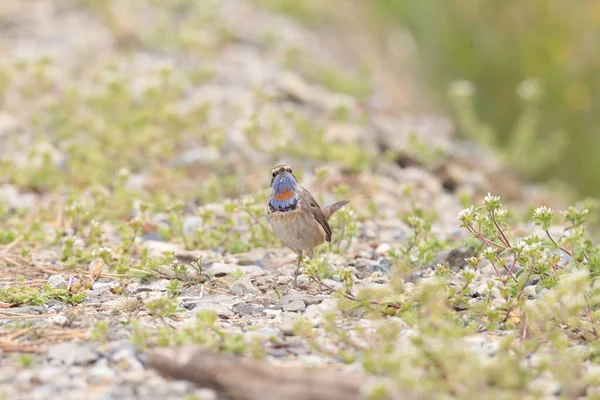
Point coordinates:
[[296, 217]]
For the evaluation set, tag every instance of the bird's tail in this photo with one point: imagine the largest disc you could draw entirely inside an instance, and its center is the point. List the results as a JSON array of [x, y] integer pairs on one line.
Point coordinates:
[[330, 209]]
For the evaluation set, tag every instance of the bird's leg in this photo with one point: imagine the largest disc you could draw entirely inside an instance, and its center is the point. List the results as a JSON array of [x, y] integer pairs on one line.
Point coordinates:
[[297, 267]]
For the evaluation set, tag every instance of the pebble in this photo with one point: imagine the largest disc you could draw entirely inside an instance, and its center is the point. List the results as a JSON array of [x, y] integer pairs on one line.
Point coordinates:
[[221, 269], [294, 306], [122, 304], [57, 282], [69, 353], [244, 286], [455, 258], [221, 304]]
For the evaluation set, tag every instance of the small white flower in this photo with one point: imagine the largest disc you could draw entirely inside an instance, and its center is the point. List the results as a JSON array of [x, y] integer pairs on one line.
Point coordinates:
[[489, 198], [541, 211], [501, 212], [519, 246], [466, 212], [102, 251]]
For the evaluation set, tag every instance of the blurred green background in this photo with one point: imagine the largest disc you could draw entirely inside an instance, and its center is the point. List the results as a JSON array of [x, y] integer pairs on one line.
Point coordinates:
[[531, 72]]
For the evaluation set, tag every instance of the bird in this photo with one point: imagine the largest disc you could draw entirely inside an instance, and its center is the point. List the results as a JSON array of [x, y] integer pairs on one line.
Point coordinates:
[[295, 216]]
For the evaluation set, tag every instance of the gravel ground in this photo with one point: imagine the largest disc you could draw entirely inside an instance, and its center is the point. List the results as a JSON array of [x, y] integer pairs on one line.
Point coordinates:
[[253, 68]]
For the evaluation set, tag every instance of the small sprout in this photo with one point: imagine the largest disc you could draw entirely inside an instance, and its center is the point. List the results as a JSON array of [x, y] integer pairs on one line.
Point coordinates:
[[100, 331], [174, 288], [163, 307]]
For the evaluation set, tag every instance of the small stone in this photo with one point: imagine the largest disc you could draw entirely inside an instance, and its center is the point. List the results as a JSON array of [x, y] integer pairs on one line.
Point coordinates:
[[101, 373], [383, 248], [160, 285], [221, 304], [287, 327], [103, 287], [167, 271], [257, 256], [315, 312], [58, 320], [296, 297], [69, 353], [57, 282], [31, 310], [383, 267], [244, 286], [248, 309], [333, 284], [284, 280], [220, 269], [266, 333], [455, 258], [122, 304], [294, 306]]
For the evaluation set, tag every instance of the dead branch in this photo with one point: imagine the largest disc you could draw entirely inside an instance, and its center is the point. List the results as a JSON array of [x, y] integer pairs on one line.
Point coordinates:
[[243, 379]]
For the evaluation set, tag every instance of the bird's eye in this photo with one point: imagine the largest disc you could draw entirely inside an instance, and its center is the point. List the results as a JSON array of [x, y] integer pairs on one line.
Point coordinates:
[[290, 170], [274, 174]]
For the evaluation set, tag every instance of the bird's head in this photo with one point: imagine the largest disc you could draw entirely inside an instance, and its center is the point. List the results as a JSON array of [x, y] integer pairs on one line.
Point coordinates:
[[284, 189]]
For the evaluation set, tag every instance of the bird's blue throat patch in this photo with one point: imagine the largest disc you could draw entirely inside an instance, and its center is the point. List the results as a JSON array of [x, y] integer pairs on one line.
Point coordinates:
[[283, 203], [284, 196]]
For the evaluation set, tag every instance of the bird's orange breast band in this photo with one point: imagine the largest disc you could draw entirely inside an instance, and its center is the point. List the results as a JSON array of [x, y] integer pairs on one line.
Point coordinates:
[[285, 195]]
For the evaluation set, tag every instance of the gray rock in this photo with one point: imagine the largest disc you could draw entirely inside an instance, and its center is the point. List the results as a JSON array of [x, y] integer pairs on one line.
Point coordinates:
[[57, 282], [160, 285], [334, 284], [248, 309], [455, 258], [295, 297], [58, 320], [221, 304], [121, 304], [103, 287], [244, 286], [294, 306], [55, 306], [167, 270], [69, 353], [266, 333], [257, 256], [284, 280], [384, 267], [31, 310], [101, 373], [221, 269]]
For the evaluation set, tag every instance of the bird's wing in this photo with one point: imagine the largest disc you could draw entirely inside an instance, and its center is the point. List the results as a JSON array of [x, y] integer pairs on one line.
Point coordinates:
[[315, 209]]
